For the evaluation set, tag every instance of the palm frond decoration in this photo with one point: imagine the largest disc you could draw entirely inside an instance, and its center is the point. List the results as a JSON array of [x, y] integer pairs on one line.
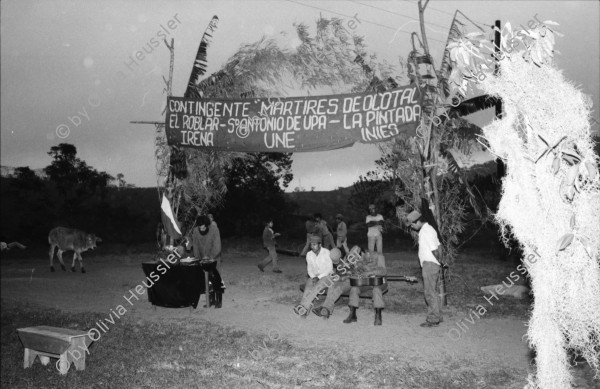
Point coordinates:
[[200, 64], [446, 66], [323, 59]]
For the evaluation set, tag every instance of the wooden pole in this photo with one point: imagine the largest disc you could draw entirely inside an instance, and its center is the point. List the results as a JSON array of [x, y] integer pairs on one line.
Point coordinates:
[[168, 89], [432, 157], [497, 43]]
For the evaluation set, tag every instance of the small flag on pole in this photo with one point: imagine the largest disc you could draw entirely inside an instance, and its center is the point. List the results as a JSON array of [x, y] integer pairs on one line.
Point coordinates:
[[168, 219]]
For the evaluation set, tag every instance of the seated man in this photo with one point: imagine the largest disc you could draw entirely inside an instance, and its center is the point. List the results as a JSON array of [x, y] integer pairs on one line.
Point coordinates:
[[356, 264], [319, 268], [339, 287]]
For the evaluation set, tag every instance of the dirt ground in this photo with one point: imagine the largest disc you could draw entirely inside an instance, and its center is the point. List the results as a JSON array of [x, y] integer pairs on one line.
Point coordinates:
[[487, 343]]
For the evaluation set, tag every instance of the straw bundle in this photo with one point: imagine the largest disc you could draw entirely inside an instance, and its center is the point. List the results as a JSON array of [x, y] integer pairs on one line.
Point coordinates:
[[551, 202]]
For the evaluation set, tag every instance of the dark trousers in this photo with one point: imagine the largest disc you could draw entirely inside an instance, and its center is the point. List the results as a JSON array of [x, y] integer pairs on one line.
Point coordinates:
[[214, 277]]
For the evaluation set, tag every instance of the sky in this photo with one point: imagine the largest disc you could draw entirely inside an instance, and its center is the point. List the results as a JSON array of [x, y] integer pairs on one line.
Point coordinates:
[[69, 73]]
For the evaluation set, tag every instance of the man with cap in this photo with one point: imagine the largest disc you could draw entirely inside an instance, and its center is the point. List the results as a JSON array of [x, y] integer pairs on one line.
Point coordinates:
[[319, 267], [341, 233], [429, 258]]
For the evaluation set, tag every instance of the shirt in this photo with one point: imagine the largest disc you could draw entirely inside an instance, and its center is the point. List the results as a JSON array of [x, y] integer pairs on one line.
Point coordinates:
[[428, 241], [375, 230], [323, 230], [268, 237], [206, 246], [319, 265]]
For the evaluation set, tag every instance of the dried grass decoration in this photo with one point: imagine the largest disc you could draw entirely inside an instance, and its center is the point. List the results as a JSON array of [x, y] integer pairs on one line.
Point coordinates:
[[550, 198]]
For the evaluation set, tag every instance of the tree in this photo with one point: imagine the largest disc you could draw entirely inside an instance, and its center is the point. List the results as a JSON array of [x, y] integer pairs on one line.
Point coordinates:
[[25, 205], [24, 173], [254, 192], [370, 189], [78, 184], [72, 174], [121, 181]]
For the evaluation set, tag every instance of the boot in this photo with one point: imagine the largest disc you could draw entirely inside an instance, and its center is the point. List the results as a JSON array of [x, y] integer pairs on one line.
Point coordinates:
[[378, 316], [218, 300], [352, 316]]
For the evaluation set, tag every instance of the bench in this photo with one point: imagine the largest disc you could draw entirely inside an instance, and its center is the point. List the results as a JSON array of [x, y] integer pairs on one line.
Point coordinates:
[[69, 346]]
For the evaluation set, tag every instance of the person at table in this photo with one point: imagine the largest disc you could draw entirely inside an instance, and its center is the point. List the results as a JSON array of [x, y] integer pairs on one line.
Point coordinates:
[[206, 243], [319, 268], [269, 236]]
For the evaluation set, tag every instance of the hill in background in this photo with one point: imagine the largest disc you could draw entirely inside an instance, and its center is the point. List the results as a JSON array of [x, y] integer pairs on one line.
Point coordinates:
[[328, 204]]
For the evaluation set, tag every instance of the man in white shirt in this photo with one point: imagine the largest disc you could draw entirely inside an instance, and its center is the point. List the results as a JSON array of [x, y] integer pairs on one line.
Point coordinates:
[[429, 258], [374, 228], [318, 266]]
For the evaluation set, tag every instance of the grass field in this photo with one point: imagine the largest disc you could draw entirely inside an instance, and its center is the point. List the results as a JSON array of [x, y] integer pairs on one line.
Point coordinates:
[[177, 355], [194, 351]]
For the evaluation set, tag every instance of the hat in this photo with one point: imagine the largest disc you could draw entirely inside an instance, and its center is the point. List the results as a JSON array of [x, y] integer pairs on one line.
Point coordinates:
[[413, 216], [315, 239], [339, 216]]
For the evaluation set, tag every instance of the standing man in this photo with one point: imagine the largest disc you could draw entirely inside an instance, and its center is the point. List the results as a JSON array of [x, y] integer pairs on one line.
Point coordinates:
[[429, 258], [342, 233], [374, 228], [326, 236], [310, 226], [269, 243], [319, 268]]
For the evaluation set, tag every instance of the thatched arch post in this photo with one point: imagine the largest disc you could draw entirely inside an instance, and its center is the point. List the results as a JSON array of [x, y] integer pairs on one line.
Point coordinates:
[[550, 194]]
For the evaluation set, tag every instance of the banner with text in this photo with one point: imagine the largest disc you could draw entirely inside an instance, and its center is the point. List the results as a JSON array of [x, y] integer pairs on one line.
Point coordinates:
[[292, 124]]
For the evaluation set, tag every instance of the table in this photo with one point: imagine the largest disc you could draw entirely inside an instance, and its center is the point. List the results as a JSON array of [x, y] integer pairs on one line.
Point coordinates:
[[69, 346], [180, 286]]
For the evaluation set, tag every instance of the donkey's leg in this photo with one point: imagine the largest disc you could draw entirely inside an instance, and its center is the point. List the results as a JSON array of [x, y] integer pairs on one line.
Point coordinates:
[[81, 263], [52, 247], [74, 259], [62, 263]]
